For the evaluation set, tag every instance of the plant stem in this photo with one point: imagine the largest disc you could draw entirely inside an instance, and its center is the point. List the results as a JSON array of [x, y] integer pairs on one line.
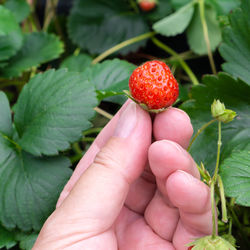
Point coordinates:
[[198, 132], [88, 139], [92, 131], [11, 141], [187, 55], [103, 113], [230, 226], [218, 153], [77, 148], [11, 83], [223, 200], [213, 207], [181, 61], [49, 12], [134, 6], [232, 201], [214, 180], [205, 33], [122, 45]]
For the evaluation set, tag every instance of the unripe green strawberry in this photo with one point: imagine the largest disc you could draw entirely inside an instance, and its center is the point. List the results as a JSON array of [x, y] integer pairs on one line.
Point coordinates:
[[153, 86], [222, 114]]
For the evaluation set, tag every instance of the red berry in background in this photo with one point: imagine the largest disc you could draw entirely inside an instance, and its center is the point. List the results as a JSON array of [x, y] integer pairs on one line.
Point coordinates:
[[153, 84], [147, 5], [190, 247]]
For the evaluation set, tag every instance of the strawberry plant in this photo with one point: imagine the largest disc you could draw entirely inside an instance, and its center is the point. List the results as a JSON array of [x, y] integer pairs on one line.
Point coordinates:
[[63, 75]]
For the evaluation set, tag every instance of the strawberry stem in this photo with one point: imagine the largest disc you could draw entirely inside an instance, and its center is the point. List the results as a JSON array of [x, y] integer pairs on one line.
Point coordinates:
[[181, 61], [103, 113], [218, 153], [92, 131], [122, 45], [214, 181], [206, 37], [198, 132], [213, 207], [223, 200]]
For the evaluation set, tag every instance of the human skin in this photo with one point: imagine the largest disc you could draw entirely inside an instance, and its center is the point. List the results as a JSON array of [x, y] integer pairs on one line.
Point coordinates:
[[130, 193]]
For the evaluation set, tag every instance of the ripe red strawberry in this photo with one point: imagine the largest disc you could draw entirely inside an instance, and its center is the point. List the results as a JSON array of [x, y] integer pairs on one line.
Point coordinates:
[[147, 5], [152, 84], [190, 247]]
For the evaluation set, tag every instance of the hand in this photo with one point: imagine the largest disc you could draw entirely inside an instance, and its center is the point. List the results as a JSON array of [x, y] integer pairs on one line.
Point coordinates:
[[128, 194]]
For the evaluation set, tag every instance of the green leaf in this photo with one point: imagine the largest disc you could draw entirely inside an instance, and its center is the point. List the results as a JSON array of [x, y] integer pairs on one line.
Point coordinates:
[[239, 142], [5, 116], [175, 23], [29, 188], [162, 9], [223, 7], [235, 173], [77, 63], [235, 48], [20, 8], [111, 75], [11, 37], [195, 35], [38, 48], [105, 94], [177, 4], [235, 95], [99, 25], [27, 241], [7, 238], [52, 111]]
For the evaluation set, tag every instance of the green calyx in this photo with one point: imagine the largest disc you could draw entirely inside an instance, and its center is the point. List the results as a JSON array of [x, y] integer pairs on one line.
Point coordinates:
[[220, 112], [144, 106], [211, 243]]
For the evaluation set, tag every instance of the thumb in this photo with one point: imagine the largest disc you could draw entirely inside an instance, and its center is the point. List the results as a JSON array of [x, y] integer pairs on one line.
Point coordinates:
[[97, 198]]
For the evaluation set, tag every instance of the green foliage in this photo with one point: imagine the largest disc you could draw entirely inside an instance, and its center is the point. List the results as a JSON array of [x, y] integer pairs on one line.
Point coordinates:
[[162, 9], [98, 25], [223, 88], [44, 46], [52, 111], [10, 34], [77, 63], [111, 78], [223, 7], [235, 48], [26, 240], [194, 32], [188, 16], [30, 187], [7, 239], [235, 172], [5, 116], [176, 23], [20, 8], [177, 4]]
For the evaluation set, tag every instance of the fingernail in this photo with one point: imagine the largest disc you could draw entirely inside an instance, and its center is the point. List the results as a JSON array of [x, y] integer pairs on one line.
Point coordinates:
[[126, 122]]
